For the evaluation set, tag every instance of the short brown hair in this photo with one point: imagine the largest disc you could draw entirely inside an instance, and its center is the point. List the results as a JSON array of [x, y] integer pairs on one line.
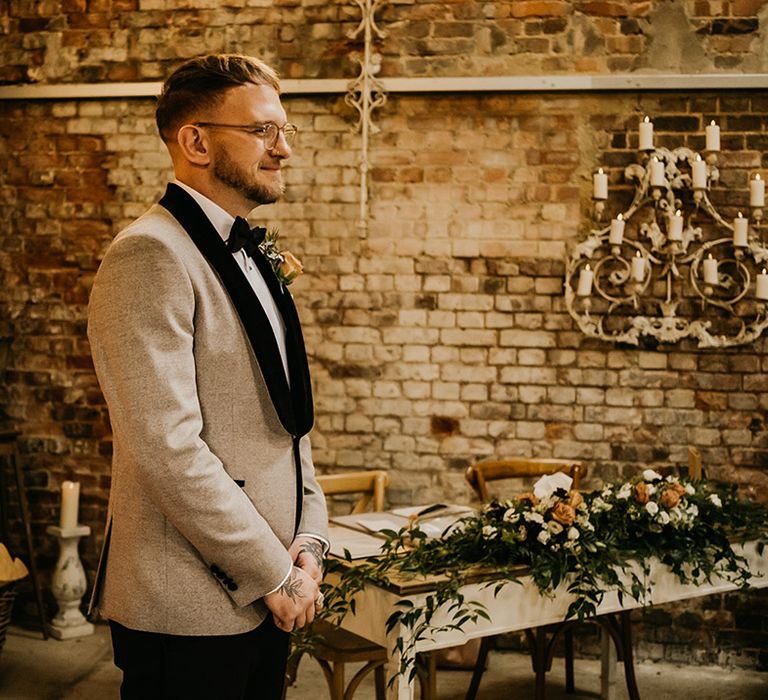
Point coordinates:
[[201, 82]]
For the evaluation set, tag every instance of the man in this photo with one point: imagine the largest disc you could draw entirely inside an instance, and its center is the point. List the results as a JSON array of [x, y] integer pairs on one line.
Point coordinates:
[[216, 525]]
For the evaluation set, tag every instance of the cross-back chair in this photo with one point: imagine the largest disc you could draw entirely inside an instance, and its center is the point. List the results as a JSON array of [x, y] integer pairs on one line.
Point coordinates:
[[336, 646], [541, 649]]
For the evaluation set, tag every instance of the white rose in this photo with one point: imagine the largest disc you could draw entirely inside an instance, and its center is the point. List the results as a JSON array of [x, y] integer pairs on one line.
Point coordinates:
[[510, 516], [664, 517], [489, 531], [650, 489], [693, 510], [533, 517], [573, 533], [554, 527], [543, 536], [715, 499], [650, 475], [624, 492], [652, 507], [689, 489]]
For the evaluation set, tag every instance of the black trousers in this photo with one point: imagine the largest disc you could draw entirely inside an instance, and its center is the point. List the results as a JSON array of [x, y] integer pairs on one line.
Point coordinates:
[[248, 666]]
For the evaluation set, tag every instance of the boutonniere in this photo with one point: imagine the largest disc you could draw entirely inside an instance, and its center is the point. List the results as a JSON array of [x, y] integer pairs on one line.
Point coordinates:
[[286, 266]]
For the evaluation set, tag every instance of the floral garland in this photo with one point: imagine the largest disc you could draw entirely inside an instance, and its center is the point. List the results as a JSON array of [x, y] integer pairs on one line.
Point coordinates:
[[593, 542], [286, 266]]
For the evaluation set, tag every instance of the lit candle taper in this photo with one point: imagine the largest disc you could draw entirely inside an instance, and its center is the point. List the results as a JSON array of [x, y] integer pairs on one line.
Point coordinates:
[[740, 225], [645, 135], [713, 137], [757, 192], [600, 185]]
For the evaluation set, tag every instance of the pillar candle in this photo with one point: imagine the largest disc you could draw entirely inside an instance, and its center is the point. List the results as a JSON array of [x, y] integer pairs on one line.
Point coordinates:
[[70, 497], [645, 141], [757, 192], [585, 282], [638, 267], [600, 185], [657, 173], [761, 286], [616, 235], [710, 270], [713, 137], [740, 231], [675, 232], [699, 173]]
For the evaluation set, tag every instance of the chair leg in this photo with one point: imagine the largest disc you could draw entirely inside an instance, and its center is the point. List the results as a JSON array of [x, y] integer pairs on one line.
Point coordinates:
[[570, 686], [380, 679], [337, 681], [477, 673]]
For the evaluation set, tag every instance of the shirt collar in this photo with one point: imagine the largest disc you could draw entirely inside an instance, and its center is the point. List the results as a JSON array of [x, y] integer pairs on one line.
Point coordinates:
[[222, 220]]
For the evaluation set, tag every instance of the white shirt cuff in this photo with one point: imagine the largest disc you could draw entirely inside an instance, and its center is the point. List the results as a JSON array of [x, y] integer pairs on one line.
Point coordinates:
[[326, 544], [277, 588]]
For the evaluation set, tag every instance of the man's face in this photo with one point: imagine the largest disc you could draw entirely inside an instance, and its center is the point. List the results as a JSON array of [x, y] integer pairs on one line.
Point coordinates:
[[241, 161]]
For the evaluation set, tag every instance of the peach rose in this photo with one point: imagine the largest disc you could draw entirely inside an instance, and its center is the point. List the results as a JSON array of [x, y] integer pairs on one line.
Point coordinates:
[[575, 499], [641, 493], [528, 496], [678, 488], [669, 498], [563, 513], [290, 267]]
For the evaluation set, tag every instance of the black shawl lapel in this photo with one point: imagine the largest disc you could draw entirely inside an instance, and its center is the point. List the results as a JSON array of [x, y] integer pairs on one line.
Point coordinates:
[[186, 211]]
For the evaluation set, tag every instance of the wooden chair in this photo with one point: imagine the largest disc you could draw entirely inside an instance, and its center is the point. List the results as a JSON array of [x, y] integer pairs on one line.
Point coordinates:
[[336, 646], [541, 648]]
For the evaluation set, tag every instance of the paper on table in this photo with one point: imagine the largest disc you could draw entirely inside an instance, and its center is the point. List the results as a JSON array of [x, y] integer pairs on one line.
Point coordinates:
[[372, 522], [359, 544]]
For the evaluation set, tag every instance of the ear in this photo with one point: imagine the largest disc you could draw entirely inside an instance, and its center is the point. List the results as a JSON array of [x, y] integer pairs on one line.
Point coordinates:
[[194, 145]]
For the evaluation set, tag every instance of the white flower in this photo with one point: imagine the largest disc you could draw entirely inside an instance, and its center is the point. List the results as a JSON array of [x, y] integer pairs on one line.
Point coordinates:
[[573, 533], [652, 507], [510, 516], [583, 522], [543, 536], [624, 492], [692, 510], [554, 527], [533, 517], [715, 499], [664, 517], [489, 531], [689, 489], [650, 475], [650, 489]]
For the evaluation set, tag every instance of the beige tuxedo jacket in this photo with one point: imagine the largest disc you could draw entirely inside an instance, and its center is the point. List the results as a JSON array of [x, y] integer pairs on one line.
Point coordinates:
[[203, 496]]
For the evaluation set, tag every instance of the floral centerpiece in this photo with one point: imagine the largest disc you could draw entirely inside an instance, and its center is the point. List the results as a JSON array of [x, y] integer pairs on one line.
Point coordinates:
[[593, 543]]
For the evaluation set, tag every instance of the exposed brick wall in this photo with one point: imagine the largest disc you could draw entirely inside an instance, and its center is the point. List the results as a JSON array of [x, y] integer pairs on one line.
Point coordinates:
[[440, 336]]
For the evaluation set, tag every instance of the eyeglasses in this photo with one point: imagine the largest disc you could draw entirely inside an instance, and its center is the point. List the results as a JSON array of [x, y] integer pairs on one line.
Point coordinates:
[[268, 132]]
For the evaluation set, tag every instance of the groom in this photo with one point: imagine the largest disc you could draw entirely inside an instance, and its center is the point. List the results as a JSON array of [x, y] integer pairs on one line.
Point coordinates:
[[216, 526]]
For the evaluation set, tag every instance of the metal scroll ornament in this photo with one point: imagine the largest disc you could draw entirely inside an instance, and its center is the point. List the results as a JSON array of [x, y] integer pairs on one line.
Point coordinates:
[[671, 267]]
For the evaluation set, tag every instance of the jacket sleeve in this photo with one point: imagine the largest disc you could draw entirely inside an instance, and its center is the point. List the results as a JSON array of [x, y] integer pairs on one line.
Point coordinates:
[[141, 323], [314, 515]]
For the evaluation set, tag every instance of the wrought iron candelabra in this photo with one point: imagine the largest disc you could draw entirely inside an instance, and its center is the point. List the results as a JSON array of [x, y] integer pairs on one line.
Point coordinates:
[[671, 267]]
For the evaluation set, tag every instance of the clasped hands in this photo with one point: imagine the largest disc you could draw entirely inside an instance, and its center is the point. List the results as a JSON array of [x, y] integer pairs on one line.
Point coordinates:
[[294, 604]]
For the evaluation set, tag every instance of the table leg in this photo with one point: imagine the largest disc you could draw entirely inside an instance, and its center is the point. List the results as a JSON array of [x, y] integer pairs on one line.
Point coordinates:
[[401, 688], [607, 666]]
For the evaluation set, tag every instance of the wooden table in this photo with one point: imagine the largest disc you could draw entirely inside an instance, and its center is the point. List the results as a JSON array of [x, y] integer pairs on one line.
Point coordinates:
[[516, 607]]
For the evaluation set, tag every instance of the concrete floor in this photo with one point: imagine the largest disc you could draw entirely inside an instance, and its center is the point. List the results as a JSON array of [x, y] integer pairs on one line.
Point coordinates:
[[82, 669]]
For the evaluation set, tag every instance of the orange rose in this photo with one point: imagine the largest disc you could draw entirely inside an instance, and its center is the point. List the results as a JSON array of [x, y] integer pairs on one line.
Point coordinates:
[[678, 488], [563, 513], [290, 267], [575, 499], [530, 497], [669, 498], [641, 493]]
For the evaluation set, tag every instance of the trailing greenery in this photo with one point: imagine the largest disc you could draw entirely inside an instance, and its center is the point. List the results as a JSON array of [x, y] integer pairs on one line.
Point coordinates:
[[592, 543]]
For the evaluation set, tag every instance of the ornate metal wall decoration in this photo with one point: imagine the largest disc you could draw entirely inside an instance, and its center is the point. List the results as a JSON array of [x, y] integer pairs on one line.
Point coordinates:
[[671, 267], [366, 92]]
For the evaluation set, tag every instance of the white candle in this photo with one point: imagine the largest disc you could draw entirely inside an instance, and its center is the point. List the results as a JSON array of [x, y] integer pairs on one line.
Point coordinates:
[[657, 173], [70, 498], [713, 137], [638, 267], [740, 231], [699, 173], [710, 270], [757, 192], [761, 285], [585, 282], [600, 185], [645, 141], [675, 232], [616, 235]]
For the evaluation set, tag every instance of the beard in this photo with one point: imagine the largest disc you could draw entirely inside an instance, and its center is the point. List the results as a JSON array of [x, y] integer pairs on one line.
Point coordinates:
[[243, 181]]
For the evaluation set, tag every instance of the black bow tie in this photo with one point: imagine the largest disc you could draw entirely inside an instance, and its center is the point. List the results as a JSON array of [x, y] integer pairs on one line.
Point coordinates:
[[243, 236]]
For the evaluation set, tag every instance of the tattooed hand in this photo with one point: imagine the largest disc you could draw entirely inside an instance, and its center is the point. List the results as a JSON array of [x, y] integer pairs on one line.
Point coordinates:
[[293, 604], [307, 554]]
